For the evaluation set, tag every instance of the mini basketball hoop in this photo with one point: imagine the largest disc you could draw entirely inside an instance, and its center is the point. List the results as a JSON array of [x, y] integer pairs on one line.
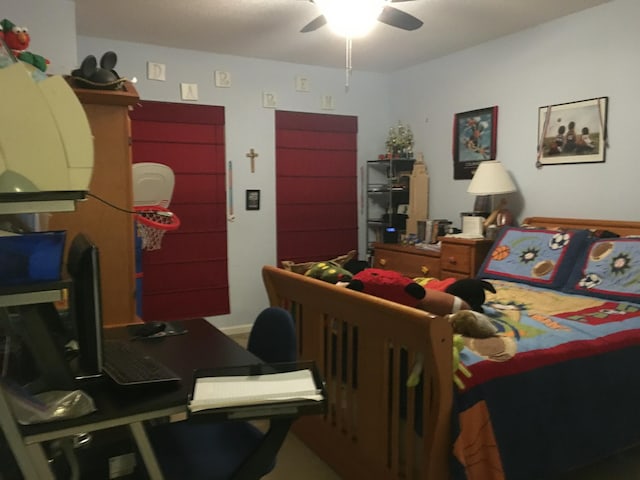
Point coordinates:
[[153, 221]]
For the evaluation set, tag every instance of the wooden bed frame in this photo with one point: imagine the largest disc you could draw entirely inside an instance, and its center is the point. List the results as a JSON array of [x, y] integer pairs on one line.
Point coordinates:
[[365, 347]]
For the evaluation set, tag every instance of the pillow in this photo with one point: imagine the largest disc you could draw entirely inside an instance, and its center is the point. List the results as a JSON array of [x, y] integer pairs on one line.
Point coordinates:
[[539, 257], [608, 268]]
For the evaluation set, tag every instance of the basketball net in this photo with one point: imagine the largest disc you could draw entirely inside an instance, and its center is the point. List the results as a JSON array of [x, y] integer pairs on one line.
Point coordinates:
[[153, 223]]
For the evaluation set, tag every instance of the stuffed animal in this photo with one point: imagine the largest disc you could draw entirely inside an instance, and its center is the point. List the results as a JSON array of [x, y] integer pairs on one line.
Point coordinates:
[[398, 288], [472, 291], [18, 40], [389, 285], [472, 324], [414, 377], [394, 286], [329, 271], [458, 366], [441, 297]]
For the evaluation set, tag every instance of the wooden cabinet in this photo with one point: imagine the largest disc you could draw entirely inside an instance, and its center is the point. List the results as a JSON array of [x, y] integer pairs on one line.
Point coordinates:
[[110, 227], [410, 261], [457, 257], [461, 257]]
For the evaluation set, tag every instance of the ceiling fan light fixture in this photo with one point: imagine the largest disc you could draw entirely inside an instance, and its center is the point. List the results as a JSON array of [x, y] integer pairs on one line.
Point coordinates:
[[351, 18]]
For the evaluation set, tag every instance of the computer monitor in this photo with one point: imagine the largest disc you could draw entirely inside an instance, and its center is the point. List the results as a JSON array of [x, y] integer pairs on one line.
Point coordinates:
[[83, 265]]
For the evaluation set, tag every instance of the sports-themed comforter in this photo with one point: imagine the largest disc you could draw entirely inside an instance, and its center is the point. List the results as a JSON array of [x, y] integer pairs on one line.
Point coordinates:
[[558, 389]]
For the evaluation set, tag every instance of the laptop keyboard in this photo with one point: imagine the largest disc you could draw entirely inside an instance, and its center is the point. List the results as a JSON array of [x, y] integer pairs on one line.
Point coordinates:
[[127, 366]]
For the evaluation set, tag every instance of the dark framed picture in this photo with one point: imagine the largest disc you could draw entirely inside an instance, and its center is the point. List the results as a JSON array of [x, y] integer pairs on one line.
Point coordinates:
[[574, 132], [474, 140], [253, 199]]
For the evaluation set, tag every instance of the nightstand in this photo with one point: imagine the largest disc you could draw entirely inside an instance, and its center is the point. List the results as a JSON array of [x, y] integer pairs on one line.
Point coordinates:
[[462, 257]]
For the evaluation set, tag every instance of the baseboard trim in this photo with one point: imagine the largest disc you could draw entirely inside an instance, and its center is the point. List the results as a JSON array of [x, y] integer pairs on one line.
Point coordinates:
[[236, 329]]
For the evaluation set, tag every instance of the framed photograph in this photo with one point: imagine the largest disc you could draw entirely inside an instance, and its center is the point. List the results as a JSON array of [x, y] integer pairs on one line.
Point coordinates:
[[574, 132], [474, 140], [253, 200]]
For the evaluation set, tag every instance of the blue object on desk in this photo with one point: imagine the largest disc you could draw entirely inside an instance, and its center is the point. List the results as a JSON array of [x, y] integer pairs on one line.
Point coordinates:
[[31, 257]]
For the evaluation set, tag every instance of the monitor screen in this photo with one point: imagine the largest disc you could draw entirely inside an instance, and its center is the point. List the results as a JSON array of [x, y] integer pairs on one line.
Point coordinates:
[[83, 265]]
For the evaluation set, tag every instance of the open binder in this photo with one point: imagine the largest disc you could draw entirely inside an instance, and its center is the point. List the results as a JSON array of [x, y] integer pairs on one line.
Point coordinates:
[[258, 391]]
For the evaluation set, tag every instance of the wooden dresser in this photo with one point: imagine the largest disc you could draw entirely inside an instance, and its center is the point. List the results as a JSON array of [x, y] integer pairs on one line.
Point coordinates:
[[109, 228], [457, 257], [410, 261]]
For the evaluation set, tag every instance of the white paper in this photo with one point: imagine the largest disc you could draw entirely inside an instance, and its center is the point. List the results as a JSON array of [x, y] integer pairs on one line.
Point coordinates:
[[217, 392]]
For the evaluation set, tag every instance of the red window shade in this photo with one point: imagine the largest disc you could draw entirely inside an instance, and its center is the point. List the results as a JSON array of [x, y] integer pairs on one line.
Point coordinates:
[[316, 185], [188, 276]]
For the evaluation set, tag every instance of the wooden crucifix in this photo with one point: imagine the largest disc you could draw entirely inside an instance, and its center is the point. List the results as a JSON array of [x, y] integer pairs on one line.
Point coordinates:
[[252, 155]]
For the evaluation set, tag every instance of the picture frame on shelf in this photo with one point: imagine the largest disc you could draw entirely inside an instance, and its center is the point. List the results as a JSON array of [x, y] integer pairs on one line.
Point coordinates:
[[403, 209], [253, 199], [474, 140], [574, 132]]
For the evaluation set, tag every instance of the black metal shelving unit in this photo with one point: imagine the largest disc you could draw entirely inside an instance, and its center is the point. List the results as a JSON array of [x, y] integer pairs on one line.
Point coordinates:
[[387, 189]]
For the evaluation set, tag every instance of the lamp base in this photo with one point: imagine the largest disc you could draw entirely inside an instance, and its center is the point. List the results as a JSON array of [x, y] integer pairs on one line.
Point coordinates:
[[500, 216]]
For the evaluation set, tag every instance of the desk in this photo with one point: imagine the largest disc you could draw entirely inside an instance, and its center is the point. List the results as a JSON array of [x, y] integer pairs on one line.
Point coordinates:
[[204, 346]]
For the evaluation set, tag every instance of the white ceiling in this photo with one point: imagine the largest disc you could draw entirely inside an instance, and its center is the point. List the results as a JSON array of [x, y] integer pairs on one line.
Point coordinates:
[[270, 29]]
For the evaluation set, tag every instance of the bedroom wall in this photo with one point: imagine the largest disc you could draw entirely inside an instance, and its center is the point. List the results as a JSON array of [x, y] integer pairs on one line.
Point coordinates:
[[252, 235], [585, 55], [589, 54]]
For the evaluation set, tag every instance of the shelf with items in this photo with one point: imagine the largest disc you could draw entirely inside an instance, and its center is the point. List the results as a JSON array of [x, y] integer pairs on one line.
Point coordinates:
[[387, 195]]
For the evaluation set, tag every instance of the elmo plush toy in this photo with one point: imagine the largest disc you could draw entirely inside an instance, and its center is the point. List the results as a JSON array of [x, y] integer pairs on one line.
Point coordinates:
[[18, 39]]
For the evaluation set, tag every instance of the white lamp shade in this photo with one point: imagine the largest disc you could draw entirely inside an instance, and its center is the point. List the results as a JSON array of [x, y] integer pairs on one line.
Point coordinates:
[[491, 178]]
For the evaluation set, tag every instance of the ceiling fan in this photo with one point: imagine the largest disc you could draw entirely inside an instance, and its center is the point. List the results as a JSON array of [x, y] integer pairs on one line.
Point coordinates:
[[389, 16], [355, 18]]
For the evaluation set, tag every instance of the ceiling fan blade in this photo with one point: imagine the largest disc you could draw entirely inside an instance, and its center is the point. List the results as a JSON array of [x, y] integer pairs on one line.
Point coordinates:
[[398, 18], [314, 24]]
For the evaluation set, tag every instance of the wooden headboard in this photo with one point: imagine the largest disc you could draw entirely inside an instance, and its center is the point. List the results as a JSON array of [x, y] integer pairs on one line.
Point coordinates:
[[621, 227]]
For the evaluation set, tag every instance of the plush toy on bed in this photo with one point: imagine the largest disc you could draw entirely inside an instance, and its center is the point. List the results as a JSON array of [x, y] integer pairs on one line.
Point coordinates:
[[458, 367], [389, 285], [471, 290], [472, 324], [329, 271], [398, 288]]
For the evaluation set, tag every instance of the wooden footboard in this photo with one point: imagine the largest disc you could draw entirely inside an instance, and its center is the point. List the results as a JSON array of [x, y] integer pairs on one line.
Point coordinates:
[[366, 348]]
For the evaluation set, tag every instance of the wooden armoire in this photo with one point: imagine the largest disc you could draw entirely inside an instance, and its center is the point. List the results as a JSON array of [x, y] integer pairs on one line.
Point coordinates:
[[106, 220]]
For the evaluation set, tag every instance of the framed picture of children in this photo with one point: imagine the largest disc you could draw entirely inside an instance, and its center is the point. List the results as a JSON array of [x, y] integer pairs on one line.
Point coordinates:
[[574, 132], [474, 140]]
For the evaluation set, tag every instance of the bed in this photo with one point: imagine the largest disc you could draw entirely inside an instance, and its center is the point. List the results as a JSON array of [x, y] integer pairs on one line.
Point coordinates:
[[556, 389]]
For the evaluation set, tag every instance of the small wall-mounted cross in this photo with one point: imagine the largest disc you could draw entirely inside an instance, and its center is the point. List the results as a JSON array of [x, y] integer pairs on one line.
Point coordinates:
[[252, 155]]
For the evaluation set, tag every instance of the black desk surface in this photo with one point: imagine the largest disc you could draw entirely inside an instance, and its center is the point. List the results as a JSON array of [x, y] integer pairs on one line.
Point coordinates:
[[203, 346]]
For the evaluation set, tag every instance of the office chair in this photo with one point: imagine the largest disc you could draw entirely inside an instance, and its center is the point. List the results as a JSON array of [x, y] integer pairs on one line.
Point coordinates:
[[231, 450]]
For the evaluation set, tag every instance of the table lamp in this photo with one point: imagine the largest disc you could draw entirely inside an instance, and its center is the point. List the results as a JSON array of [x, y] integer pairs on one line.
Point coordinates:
[[491, 178]]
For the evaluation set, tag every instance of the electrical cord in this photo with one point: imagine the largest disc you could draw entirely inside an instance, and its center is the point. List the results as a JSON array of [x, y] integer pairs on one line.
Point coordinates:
[[89, 194]]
